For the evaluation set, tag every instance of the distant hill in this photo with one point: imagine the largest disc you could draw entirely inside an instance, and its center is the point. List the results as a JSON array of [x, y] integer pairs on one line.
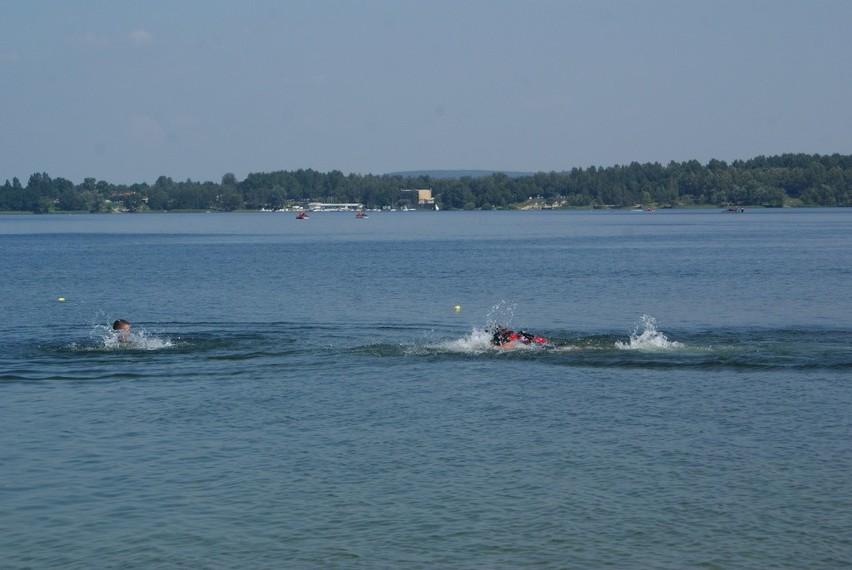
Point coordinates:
[[455, 174]]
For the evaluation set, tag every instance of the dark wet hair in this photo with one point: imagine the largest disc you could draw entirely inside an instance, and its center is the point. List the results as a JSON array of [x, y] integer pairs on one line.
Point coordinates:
[[119, 324]]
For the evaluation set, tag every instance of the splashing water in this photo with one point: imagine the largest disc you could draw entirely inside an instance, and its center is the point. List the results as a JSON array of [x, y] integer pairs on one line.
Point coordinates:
[[478, 340], [500, 314], [109, 339], [645, 336]]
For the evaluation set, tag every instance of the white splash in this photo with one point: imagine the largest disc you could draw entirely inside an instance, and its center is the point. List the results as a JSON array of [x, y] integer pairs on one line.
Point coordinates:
[[645, 336], [500, 314], [135, 340], [478, 340]]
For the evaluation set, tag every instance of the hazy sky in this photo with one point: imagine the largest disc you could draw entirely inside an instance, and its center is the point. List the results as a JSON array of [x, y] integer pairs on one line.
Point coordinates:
[[126, 91]]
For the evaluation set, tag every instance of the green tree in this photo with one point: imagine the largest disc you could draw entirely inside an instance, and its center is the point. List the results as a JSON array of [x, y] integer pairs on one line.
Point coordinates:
[[230, 201], [158, 200], [69, 197]]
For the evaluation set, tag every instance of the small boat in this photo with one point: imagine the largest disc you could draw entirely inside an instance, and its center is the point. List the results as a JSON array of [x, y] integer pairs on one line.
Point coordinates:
[[302, 216], [361, 215]]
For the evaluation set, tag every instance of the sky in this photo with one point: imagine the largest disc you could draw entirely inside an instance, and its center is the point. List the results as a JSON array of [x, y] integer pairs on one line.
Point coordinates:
[[127, 91]]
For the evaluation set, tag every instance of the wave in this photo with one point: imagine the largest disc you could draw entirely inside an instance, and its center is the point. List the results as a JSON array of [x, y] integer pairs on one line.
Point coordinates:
[[645, 337], [649, 347], [205, 348], [645, 346], [103, 339]]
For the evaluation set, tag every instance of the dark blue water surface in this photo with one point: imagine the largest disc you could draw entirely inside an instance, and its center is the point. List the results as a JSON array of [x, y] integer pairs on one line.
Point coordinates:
[[303, 393]]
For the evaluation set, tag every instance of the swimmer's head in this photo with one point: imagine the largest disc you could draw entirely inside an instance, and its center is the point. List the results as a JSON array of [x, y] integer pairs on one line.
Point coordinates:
[[121, 325]]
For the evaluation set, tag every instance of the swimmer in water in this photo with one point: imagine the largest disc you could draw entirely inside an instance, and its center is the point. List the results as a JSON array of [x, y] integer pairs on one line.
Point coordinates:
[[504, 338], [122, 329]]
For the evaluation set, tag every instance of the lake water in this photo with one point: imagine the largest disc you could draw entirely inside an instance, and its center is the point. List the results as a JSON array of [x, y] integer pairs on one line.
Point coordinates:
[[302, 394]]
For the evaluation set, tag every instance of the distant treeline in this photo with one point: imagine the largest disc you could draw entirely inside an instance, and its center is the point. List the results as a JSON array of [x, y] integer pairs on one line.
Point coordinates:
[[785, 180]]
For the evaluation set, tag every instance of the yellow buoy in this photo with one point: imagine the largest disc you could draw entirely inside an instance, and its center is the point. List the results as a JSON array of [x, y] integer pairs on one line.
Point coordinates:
[[457, 308]]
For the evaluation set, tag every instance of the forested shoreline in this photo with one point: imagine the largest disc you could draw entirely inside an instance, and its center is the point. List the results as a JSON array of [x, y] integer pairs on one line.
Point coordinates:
[[775, 181]]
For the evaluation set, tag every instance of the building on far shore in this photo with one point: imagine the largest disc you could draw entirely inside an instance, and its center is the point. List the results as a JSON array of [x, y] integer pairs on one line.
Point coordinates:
[[420, 198]]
